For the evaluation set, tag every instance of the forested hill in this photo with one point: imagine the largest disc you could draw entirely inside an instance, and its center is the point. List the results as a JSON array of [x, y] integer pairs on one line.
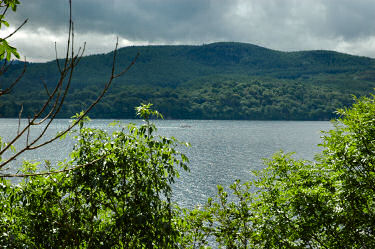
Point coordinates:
[[225, 80]]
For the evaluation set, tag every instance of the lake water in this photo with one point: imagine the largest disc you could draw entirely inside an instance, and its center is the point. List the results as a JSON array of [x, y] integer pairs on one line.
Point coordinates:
[[220, 152]]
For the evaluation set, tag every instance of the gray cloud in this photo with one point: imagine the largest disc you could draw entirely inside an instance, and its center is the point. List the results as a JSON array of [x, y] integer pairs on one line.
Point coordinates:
[[343, 25]]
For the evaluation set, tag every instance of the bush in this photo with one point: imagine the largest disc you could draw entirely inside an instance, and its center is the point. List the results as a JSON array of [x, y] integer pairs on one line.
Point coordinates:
[[292, 203], [120, 196]]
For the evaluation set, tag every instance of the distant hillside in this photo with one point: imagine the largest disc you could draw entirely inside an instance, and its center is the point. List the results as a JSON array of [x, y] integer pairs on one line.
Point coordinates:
[[225, 80]]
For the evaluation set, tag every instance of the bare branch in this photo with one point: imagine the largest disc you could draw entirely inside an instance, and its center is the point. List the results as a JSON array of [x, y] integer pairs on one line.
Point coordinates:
[[15, 31], [58, 96], [80, 53], [54, 172], [127, 68], [45, 87], [106, 87], [5, 66], [27, 135], [10, 87], [70, 28], [5, 10], [57, 60], [57, 91], [32, 121], [19, 120]]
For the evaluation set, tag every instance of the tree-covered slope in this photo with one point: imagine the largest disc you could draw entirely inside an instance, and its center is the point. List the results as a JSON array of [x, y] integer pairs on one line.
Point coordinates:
[[225, 80]]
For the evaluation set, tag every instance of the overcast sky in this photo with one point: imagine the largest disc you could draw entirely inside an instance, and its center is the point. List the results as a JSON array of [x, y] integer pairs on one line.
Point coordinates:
[[288, 25]]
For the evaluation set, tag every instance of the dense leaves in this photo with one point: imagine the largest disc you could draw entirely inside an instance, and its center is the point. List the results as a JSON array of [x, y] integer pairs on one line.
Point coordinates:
[[299, 204], [121, 200]]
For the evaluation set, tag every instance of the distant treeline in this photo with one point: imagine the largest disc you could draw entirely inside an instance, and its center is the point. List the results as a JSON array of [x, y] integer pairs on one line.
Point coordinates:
[[215, 81], [205, 99]]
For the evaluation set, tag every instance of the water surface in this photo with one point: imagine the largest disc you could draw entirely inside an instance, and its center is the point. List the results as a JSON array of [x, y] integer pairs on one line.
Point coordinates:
[[220, 152]]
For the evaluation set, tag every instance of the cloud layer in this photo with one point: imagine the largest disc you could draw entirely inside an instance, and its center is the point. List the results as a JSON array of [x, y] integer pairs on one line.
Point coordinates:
[[342, 25]]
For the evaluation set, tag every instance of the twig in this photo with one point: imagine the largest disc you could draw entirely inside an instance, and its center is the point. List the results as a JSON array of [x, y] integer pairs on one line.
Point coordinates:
[[57, 60], [10, 87], [11, 34], [19, 120], [54, 172], [45, 87], [59, 94]]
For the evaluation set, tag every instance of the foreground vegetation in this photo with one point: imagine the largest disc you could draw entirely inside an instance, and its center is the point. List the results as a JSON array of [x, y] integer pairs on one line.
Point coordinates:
[[328, 203], [122, 198], [115, 191]]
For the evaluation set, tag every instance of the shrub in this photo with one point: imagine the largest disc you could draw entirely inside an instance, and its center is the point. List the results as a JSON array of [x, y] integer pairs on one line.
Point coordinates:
[[119, 196], [292, 203]]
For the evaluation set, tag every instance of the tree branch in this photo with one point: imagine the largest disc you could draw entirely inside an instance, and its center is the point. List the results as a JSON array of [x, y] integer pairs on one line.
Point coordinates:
[[15, 31], [54, 172], [58, 95]]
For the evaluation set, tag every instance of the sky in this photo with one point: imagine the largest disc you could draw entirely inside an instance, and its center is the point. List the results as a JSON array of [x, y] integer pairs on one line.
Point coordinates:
[[288, 25]]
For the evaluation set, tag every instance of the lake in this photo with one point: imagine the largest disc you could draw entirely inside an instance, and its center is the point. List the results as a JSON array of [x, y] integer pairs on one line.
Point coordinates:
[[220, 152]]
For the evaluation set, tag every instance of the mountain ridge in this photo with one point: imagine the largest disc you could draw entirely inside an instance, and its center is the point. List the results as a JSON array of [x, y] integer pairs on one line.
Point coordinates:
[[196, 78]]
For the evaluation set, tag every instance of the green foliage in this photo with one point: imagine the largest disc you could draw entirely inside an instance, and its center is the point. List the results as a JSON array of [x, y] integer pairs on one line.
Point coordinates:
[[220, 222], [4, 144], [300, 204], [121, 198], [6, 50], [144, 111], [10, 4]]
